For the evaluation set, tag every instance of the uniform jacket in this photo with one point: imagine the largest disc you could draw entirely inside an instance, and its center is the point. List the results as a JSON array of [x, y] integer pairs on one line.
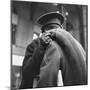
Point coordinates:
[[63, 53]]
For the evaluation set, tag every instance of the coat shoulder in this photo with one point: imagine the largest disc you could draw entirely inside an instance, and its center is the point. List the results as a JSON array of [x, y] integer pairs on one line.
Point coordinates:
[[34, 43]]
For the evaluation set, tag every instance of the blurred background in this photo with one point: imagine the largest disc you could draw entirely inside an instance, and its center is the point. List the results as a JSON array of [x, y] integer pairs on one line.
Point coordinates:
[[24, 28]]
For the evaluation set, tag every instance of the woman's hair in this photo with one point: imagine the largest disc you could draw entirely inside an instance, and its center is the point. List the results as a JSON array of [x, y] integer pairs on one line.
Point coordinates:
[[44, 27]]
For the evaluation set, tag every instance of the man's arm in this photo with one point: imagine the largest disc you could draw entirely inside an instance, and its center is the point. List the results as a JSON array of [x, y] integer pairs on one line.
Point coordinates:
[[33, 58], [32, 61]]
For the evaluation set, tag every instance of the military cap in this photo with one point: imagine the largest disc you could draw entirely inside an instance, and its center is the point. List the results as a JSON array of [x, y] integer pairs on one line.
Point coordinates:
[[43, 19]]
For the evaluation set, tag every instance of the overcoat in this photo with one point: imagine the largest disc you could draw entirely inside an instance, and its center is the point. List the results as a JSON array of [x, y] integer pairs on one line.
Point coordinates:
[[64, 53]]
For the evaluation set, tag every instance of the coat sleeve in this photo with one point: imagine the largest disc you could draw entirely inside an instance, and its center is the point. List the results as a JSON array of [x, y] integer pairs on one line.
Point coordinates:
[[31, 64], [76, 59]]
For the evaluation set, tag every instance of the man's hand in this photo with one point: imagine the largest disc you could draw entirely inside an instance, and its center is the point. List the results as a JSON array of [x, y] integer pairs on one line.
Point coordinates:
[[46, 37]]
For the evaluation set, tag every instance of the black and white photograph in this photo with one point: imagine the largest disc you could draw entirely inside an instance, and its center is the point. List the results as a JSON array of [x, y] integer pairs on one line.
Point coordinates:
[[49, 44]]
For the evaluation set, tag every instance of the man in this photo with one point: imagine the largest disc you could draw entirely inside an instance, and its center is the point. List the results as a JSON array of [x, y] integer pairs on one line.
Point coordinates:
[[54, 50]]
